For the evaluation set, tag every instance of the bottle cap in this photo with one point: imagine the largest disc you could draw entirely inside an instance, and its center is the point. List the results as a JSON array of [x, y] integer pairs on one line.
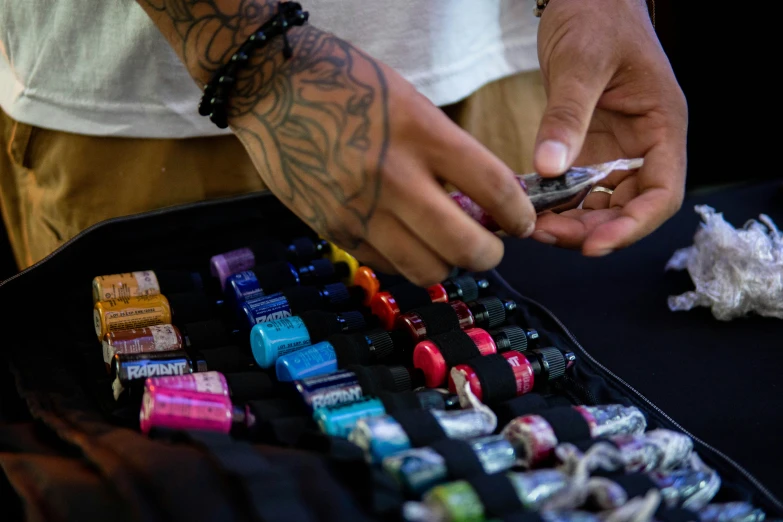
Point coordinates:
[[381, 344], [250, 385], [388, 305], [177, 281], [428, 359], [323, 270], [494, 312], [401, 378], [510, 338], [302, 249], [226, 359], [465, 288], [553, 360], [353, 321], [366, 279], [189, 307], [337, 294]]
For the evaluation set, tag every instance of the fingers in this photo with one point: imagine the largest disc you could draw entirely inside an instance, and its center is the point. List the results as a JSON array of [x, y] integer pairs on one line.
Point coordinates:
[[369, 256], [574, 91], [621, 195], [424, 208], [475, 171], [570, 229], [661, 187], [407, 254]]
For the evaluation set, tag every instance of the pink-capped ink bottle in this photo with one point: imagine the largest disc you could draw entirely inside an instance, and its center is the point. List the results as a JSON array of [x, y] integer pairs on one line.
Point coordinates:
[[186, 410]]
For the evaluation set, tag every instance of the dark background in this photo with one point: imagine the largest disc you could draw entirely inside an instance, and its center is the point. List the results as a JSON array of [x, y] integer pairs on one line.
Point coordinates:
[[711, 47]]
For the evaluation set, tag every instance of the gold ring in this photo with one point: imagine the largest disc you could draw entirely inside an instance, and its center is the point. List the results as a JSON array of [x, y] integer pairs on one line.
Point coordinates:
[[599, 188]]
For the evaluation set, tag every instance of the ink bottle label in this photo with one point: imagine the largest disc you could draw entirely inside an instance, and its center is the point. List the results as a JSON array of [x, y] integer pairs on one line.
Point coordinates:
[[290, 334], [202, 382], [270, 308], [329, 390], [274, 339], [182, 409], [244, 286], [160, 338], [131, 284], [130, 313], [318, 359]]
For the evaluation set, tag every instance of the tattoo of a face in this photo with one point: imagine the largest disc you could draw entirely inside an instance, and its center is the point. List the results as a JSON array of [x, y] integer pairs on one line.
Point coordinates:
[[316, 125]]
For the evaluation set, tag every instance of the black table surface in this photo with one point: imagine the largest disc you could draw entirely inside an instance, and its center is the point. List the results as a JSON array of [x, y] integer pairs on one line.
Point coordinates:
[[722, 381]]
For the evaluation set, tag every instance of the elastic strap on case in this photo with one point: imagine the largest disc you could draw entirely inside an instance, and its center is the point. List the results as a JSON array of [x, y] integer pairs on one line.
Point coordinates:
[[438, 318], [421, 427], [567, 424], [400, 401], [519, 407], [409, 296], [461, 461], [456, 347], [497, 495], [496, 376], [268, 491]]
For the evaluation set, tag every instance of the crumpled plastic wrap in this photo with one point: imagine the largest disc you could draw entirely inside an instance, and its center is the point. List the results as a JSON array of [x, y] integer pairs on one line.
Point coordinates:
[[735, 271]]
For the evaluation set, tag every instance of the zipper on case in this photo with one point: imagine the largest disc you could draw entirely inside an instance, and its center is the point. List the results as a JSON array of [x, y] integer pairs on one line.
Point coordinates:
[[635, 393]]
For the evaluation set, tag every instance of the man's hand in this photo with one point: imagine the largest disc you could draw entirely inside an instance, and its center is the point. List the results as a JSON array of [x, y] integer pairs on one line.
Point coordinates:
[[611, 94], [349, 145]]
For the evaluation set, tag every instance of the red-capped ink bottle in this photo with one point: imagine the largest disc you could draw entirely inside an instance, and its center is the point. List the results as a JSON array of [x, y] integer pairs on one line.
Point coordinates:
[[390, 304], [373, 282], [529, 370], [438, 354], [239, 386], [438, 318], [536, 435]]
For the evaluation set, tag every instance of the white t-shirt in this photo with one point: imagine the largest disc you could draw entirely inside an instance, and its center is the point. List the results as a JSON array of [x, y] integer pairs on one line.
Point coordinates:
[[101, 67]]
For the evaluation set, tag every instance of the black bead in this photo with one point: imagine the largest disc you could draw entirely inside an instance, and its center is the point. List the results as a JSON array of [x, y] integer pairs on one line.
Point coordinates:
[[204, 107]]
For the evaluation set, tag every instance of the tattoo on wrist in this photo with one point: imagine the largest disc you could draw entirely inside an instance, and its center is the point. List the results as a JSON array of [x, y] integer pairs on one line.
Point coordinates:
[[306, 121]]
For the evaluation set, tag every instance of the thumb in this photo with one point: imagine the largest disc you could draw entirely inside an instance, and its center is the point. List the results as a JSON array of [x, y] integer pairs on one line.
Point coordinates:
[[571, 101]]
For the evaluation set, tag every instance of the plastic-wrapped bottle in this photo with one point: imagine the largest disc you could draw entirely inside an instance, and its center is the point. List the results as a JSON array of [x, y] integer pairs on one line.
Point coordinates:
[[656, 450], [731, 512], [687, 488], [385, 435], [419, 469], [536, 436], [459, 500]]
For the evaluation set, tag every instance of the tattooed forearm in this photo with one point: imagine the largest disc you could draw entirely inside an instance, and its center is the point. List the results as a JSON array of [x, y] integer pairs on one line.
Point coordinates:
[[316, 125]]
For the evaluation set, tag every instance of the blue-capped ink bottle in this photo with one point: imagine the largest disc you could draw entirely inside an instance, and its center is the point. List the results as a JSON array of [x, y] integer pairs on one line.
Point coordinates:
[[339, 421], [273, 277], [342, 350], [273, 339], [296, 300], [318, 359]]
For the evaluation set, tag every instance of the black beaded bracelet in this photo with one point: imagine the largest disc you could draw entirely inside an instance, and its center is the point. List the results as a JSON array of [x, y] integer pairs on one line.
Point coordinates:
[[214, 102]]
